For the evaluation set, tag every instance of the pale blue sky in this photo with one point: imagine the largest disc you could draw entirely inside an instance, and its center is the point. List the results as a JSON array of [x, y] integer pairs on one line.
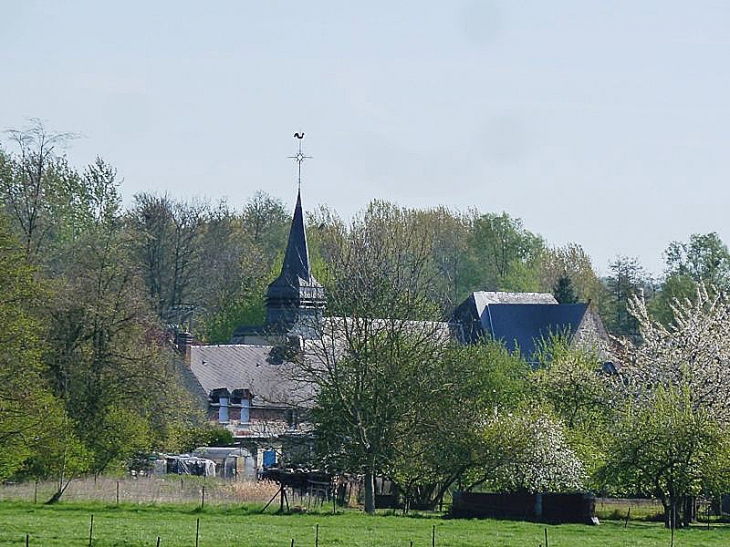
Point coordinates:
[[604, 123]]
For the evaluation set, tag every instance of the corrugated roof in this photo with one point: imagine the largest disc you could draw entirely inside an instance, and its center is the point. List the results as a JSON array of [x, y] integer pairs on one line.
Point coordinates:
[[522, 325], [246, 367]]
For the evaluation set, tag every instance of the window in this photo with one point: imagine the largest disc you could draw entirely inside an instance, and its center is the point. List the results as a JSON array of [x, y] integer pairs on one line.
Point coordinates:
[[223, 410], [245, 404]]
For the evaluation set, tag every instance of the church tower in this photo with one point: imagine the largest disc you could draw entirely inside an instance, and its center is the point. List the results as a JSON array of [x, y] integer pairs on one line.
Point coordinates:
[[295, 300]]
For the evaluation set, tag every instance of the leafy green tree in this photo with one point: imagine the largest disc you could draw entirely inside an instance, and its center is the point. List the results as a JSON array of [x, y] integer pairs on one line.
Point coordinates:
[[37, 188], [204, 435], [243, 255], [563, 291], [571, 383], [704, 259], [448, 232], [167, 236], [503, 255], [444, 446], [61, 456], [105, 355], [572, 262], [668, 449], [627, 280], [25, 401]]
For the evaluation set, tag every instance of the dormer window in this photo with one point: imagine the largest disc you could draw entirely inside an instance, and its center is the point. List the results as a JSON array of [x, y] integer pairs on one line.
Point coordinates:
[[245, 406], [223, 410]]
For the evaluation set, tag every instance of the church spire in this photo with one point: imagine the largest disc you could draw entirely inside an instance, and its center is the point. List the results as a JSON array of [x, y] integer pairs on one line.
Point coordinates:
[[296, 258]]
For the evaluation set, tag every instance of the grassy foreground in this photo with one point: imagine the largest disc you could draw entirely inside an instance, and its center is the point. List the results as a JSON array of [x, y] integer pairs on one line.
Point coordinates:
[[67, 524]]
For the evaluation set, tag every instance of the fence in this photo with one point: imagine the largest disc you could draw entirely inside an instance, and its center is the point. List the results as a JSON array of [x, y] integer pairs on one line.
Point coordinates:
[[152, 489]]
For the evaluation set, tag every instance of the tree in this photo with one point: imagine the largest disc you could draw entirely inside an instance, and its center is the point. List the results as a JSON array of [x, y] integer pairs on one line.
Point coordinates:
[[105, 355], [571, 381], [627, 280], [449, 233], [703, 259], [37, 186], [446, 445], [25, 400], [563, 291], [371, 366], [527, 452], [503, 255], [667, 449], [241, 252], [168, 234], [671, 435], [572, 262]]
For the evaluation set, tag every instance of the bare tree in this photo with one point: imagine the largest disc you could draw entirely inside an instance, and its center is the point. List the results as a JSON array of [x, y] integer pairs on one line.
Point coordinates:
[[32, 185], [168, 235]]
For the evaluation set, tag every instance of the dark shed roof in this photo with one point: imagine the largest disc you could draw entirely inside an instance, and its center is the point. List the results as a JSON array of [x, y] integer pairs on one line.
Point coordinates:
[[523, 325]]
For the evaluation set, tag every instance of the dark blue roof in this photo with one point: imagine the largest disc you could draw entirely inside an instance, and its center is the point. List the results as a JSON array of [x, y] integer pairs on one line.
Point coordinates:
[[523, 325], [296, 258]]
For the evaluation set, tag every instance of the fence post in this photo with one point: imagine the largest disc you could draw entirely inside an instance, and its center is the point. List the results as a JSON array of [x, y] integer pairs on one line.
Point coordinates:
[[546, 539], [197, 532], [117, 492], [35, 492], [433, 536], [316, 535], [202, 499], [91, 530], [27, 540], [158, 541]]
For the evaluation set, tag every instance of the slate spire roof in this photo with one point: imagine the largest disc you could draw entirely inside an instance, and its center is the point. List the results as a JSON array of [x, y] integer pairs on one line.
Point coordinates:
[[296, 258], [295, 297]]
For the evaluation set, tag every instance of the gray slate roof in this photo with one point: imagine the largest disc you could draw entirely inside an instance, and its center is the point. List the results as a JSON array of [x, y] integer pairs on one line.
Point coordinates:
[[246, 367]]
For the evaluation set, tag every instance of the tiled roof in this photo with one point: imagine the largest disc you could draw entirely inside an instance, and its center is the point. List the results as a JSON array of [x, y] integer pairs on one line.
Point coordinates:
[[246, 367]]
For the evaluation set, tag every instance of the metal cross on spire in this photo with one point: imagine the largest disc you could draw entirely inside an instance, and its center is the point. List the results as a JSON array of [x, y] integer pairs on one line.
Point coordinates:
[[299, 158]]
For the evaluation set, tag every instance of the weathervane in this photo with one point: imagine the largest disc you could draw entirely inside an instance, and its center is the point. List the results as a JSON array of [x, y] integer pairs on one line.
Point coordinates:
[[299, 158]]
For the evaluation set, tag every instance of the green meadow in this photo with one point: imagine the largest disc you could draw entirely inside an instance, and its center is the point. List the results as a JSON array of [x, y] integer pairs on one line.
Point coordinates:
[[68, 524]]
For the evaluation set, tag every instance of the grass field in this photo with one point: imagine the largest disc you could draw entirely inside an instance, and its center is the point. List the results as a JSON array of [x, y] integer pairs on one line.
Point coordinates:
[[67, 524]]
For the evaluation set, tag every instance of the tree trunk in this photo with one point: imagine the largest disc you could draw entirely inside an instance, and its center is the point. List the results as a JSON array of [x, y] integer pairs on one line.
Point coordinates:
[[689, 514], [370, 493], [55, 497]]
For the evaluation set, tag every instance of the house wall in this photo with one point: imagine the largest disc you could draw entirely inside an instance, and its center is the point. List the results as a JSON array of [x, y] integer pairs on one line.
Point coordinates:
[[592, 335]]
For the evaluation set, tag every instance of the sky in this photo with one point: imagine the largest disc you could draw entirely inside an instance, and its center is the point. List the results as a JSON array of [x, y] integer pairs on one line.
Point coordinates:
[[604, 123]]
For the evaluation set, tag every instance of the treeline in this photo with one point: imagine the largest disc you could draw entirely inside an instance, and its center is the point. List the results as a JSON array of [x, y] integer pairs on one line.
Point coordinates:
[[91, 292]]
